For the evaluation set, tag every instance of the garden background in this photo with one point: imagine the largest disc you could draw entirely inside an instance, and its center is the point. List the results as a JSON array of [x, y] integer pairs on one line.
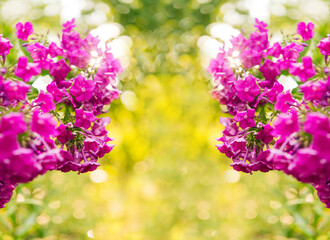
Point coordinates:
[[164, 179]]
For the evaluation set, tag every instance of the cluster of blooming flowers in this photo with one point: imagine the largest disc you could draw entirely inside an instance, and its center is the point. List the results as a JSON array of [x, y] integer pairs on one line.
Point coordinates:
[[273, 129], [57, 129]]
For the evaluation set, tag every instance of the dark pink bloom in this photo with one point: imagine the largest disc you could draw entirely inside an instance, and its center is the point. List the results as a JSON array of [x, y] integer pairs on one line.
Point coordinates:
[[8, 143], [308, 167], [45, 101], [24, 31], [313, 90], [12, 123], [218, 67], [285, 124], [5, 46], [63, 134], [91, 144], [226, 149], [84, 118], [91, 44], [323, 191], [79, 58], [58, 94], [112, 65], [239, 144], [259, 41], [104, 149], [284, 102], [16, 90], [275, 50], [26, 70], [290, 55], [82, 88], [324, 46], [69, 25], [39, 55], [6, 191], [274, 91], [270, 70], [321, 144], [241, 166], [247, 89], [239, 44], [246, 118], [54, 50], [317, 124], [230, 125], [306, 31], [250, 58], [303, 70], [71, 41], [98, 128], [265, 134], [43, 124], [22, 166], [59, 70], [260, 25], [88, 166]]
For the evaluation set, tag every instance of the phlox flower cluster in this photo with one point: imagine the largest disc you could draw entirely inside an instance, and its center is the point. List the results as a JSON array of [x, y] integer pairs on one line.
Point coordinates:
[[61, 128], [269, 128]]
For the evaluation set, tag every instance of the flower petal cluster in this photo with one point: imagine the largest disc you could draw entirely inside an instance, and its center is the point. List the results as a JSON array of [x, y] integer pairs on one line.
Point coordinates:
[[271, 129], [61, 128]]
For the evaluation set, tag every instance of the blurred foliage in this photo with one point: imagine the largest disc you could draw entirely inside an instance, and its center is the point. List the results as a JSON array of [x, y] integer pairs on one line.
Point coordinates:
[[164, 179]]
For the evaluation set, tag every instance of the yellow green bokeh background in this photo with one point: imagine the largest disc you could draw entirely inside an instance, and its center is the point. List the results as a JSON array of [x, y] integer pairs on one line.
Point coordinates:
[[164, 179]]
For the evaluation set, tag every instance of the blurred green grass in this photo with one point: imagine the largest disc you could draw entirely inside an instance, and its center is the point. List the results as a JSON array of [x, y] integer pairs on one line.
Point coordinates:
[[164, 179]]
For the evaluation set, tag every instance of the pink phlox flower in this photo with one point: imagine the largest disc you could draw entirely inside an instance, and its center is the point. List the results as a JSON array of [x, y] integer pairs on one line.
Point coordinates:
[[69, 25], [324, 46], [39, 55], [275, 50], [303, 70], [26, 70], [239, 44], [13, 123], [91, 44], [270, 70], [16, 90], [258, 41], [285, 124], [59, 70], [313, 90], [306, 31], [54, 50], [82, 88], [79, 58], [250, 58], [45, 101], [5, 46], [246, 118], [260, 25], [43, 123], [64, 135], [290, 54], [284, 102], [274, 91], [265, 134], [247, 89], [84, 118], [24, 31], [220, 69], [71, 41]]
